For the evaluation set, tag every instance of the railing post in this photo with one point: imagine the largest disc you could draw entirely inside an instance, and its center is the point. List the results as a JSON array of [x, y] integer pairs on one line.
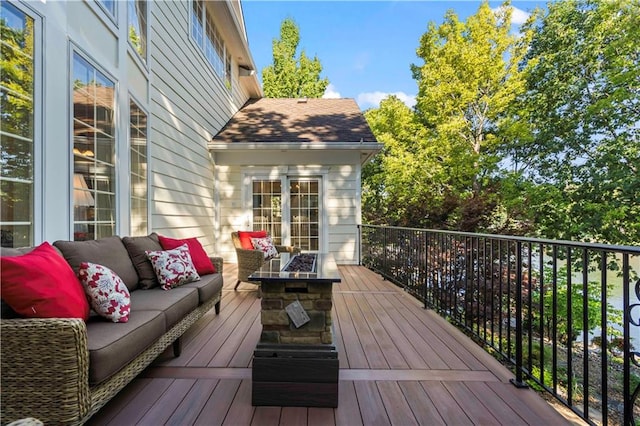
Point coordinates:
[[518, 382], [359, 244], [426, 268]]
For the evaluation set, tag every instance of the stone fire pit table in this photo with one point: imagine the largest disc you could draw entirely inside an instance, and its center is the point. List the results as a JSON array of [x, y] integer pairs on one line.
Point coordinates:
[[296, 362]]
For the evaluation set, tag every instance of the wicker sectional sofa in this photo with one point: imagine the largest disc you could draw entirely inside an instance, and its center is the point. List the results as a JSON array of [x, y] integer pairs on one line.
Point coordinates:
[[62, 371]]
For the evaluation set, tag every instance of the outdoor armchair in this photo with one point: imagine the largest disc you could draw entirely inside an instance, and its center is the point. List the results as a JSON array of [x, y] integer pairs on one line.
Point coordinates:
[[250, 260]]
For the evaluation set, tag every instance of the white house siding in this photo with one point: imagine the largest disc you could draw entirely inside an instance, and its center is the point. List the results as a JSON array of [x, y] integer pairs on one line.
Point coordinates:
[[341, 194], [189, 104], [186, 103]]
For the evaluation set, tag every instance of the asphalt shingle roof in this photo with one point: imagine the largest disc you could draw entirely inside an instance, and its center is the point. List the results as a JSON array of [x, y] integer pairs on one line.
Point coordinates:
[[295, 120]]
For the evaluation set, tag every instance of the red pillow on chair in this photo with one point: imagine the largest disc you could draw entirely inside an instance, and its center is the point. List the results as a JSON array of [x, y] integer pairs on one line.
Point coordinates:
[[246, 236], [198, 256], [41, 284]]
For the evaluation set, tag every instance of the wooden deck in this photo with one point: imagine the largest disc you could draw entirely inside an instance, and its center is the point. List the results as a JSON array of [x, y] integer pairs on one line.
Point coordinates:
[[399, 364]]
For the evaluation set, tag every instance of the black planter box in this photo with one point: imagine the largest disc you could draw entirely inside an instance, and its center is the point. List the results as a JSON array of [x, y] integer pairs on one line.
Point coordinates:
[[295, 375]]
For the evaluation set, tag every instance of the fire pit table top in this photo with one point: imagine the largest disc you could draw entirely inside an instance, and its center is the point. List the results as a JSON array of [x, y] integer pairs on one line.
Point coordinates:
[[274, 269]]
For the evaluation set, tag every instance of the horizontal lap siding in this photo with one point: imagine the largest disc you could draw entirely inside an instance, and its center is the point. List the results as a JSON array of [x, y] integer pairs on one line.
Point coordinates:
[[232, 217], [342, 212], [189, 104]]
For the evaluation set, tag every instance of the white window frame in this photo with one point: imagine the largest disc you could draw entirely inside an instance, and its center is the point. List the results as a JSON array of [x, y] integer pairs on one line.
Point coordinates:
[[139, 104], [76, 49], [143, 60], [38, 213]]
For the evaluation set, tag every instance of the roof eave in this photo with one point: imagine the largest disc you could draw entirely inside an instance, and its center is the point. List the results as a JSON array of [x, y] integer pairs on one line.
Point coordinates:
[[368, 149]]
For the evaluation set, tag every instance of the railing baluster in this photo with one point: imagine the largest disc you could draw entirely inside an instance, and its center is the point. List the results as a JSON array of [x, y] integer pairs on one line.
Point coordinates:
[[604, 323], [585, 332], [541, 288], [569, 330], [518, 382], [554, 321]]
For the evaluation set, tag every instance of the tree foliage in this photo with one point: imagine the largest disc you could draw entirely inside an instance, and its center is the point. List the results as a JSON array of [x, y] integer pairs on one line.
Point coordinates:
[[467, 81], [531, 133], [288, 76], [582, 109]]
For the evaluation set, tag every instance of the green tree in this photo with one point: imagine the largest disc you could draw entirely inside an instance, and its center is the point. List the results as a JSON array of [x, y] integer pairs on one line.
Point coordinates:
[[436, 167], [405, 176], [582, 112], [288, 76], [469, 78]]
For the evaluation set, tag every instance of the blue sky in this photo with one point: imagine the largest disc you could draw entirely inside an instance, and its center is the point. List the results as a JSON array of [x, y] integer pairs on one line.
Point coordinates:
[[365, 47]]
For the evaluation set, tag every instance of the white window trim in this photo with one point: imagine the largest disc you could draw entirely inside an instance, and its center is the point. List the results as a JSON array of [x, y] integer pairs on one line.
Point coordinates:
[[111, 21]]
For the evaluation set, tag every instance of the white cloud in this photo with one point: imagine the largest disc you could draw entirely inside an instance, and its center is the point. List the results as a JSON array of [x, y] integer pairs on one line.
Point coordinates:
[[372, 99], [331, 92], [518, 16]]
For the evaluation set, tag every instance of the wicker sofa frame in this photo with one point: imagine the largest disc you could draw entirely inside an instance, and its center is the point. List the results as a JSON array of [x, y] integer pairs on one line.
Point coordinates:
[[49, 366], [250, 261]]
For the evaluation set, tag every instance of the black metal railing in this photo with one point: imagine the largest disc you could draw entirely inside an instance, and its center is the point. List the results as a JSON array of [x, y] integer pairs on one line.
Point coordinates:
[[564, 315]]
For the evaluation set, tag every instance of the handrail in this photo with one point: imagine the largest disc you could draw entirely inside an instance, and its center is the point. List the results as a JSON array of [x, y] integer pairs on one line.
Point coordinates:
[[541, 305]]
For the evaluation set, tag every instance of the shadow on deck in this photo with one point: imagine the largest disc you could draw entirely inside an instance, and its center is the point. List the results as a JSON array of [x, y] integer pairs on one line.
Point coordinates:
[[399, 364]]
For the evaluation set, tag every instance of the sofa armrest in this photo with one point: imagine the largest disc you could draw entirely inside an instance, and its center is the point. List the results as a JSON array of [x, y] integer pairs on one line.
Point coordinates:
[[217, 262], [45, 370]]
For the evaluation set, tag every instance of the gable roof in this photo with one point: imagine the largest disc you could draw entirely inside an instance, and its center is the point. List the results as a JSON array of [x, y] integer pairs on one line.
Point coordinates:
[[312, 121]]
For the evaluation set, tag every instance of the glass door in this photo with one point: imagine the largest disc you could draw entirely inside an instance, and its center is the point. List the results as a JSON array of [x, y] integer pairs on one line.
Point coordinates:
[[289, 210], [304, 213]]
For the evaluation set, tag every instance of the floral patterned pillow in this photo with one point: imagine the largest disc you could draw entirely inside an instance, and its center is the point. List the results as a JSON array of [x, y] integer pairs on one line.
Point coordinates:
[[266, 246], [173, 267], [107, 293]]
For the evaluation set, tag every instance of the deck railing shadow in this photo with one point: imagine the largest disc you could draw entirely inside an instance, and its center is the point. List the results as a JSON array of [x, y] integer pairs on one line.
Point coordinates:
[[544, 307]]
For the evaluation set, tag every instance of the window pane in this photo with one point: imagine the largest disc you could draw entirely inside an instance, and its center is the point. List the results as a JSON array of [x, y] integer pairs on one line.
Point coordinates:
[[267, 208], [17, 124], [93, 151], [138, 26], [138, 153]]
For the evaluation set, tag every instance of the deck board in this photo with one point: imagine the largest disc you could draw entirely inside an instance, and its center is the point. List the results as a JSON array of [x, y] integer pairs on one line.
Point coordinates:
[[400, 364]]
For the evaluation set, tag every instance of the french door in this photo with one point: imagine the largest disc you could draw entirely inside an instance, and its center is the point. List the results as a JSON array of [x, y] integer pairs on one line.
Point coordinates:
[[289, 209]]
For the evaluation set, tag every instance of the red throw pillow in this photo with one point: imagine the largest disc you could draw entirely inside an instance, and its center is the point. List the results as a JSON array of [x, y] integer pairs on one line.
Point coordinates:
[[41, 284], [198, 256], [246, 236]]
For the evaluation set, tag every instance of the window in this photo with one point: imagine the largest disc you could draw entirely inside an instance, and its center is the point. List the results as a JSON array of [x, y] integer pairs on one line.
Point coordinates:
[[94, 142], [17, 128], [138, 152], [138, 26], [208, 38], [267, 208], [109, 6]]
